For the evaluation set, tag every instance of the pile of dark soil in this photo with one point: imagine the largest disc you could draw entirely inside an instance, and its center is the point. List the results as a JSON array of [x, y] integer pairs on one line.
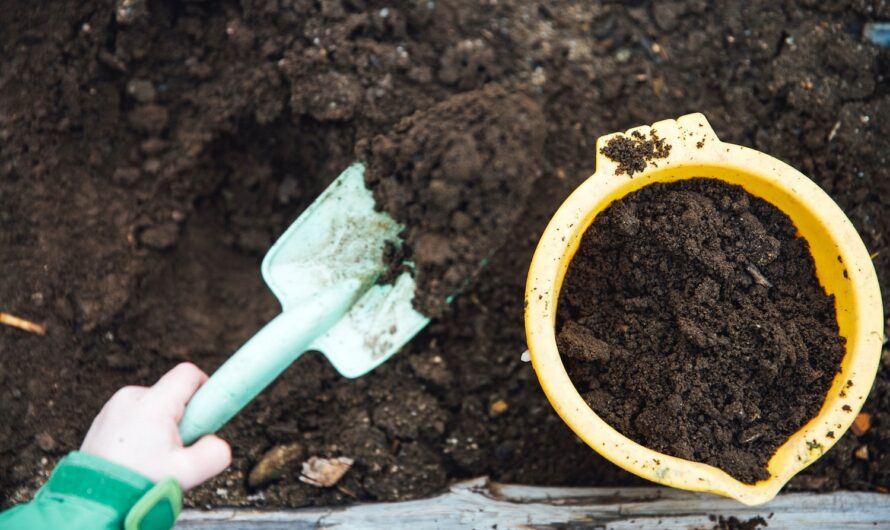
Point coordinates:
[[454, 175], [692, 322], [150, 155]]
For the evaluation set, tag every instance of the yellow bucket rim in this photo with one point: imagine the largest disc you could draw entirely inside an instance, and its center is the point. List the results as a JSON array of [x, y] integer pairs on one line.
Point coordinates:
[[843, 267]]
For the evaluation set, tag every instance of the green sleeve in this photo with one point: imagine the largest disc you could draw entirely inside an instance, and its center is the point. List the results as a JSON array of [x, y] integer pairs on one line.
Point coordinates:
[[88, 492]]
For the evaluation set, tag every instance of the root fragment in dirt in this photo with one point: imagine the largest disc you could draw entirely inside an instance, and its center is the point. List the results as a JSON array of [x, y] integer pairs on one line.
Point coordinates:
[[22, 324], [757, 276], [325, 472]]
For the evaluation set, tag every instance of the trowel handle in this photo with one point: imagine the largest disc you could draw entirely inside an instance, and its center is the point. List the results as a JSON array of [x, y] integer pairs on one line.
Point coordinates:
[[259, 361]]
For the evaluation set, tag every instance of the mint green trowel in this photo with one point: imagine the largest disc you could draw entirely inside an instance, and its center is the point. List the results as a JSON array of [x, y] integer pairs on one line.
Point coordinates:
[[323, 270]]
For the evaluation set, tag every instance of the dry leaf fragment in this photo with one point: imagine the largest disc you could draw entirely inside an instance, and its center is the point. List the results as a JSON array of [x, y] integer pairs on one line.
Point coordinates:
[[276, 463], [325, 472], [861, 424]]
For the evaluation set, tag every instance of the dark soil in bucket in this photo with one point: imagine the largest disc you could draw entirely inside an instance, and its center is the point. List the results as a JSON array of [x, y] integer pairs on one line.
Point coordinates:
[[150, 156], [692, 321]]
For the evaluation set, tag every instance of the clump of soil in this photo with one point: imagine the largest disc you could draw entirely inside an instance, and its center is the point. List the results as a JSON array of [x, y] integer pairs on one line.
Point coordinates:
[[692, 321], [734, 523], [454, 175], [633, 153]]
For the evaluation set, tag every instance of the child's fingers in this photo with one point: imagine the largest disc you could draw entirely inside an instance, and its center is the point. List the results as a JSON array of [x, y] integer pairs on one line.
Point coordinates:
[[176, 387], [204, 459]]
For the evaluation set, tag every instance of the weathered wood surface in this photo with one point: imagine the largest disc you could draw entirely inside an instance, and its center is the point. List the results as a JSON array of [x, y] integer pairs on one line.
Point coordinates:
[[483, 504]]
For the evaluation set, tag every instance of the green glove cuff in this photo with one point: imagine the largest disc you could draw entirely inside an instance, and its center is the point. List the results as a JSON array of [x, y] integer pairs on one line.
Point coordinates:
[[140, 504]]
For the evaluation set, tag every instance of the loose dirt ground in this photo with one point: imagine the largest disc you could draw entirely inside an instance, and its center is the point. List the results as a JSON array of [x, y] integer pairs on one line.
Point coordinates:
[[151, 151]]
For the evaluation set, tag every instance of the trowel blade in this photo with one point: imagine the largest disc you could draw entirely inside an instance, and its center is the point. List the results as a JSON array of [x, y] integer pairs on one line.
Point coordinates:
[[341, 240]]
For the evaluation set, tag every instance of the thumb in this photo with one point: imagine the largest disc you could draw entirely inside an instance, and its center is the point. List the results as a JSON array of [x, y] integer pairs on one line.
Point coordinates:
[[202, 460]]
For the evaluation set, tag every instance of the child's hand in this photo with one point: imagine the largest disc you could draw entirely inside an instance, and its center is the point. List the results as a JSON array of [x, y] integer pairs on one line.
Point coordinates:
[[139, 428]]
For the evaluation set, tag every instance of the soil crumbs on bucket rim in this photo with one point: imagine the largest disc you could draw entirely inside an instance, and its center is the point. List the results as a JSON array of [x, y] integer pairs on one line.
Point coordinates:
[[692, 322], [634, 152]]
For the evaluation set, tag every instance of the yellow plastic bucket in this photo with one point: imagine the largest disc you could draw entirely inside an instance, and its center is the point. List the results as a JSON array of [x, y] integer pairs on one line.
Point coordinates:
[[843, 267]]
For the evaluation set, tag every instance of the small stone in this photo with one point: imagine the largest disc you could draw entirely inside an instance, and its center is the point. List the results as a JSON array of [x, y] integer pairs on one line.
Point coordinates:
[[498, 407], [142, 90], [45, 442], [160, 236], [622, 55], [861, 453], [861, 424], [276, 463], [325, 472]]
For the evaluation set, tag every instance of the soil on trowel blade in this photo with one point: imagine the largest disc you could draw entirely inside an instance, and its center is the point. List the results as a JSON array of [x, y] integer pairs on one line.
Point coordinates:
[[692, 322], [454, 175]]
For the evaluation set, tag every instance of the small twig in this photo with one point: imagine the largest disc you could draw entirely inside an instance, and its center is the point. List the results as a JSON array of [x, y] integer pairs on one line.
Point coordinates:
[[833, 132], [759, 278], [21, 323], [346, 491]]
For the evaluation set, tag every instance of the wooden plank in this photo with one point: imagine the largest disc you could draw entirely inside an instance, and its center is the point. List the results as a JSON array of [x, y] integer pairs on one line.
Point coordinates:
[[482, 504]]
